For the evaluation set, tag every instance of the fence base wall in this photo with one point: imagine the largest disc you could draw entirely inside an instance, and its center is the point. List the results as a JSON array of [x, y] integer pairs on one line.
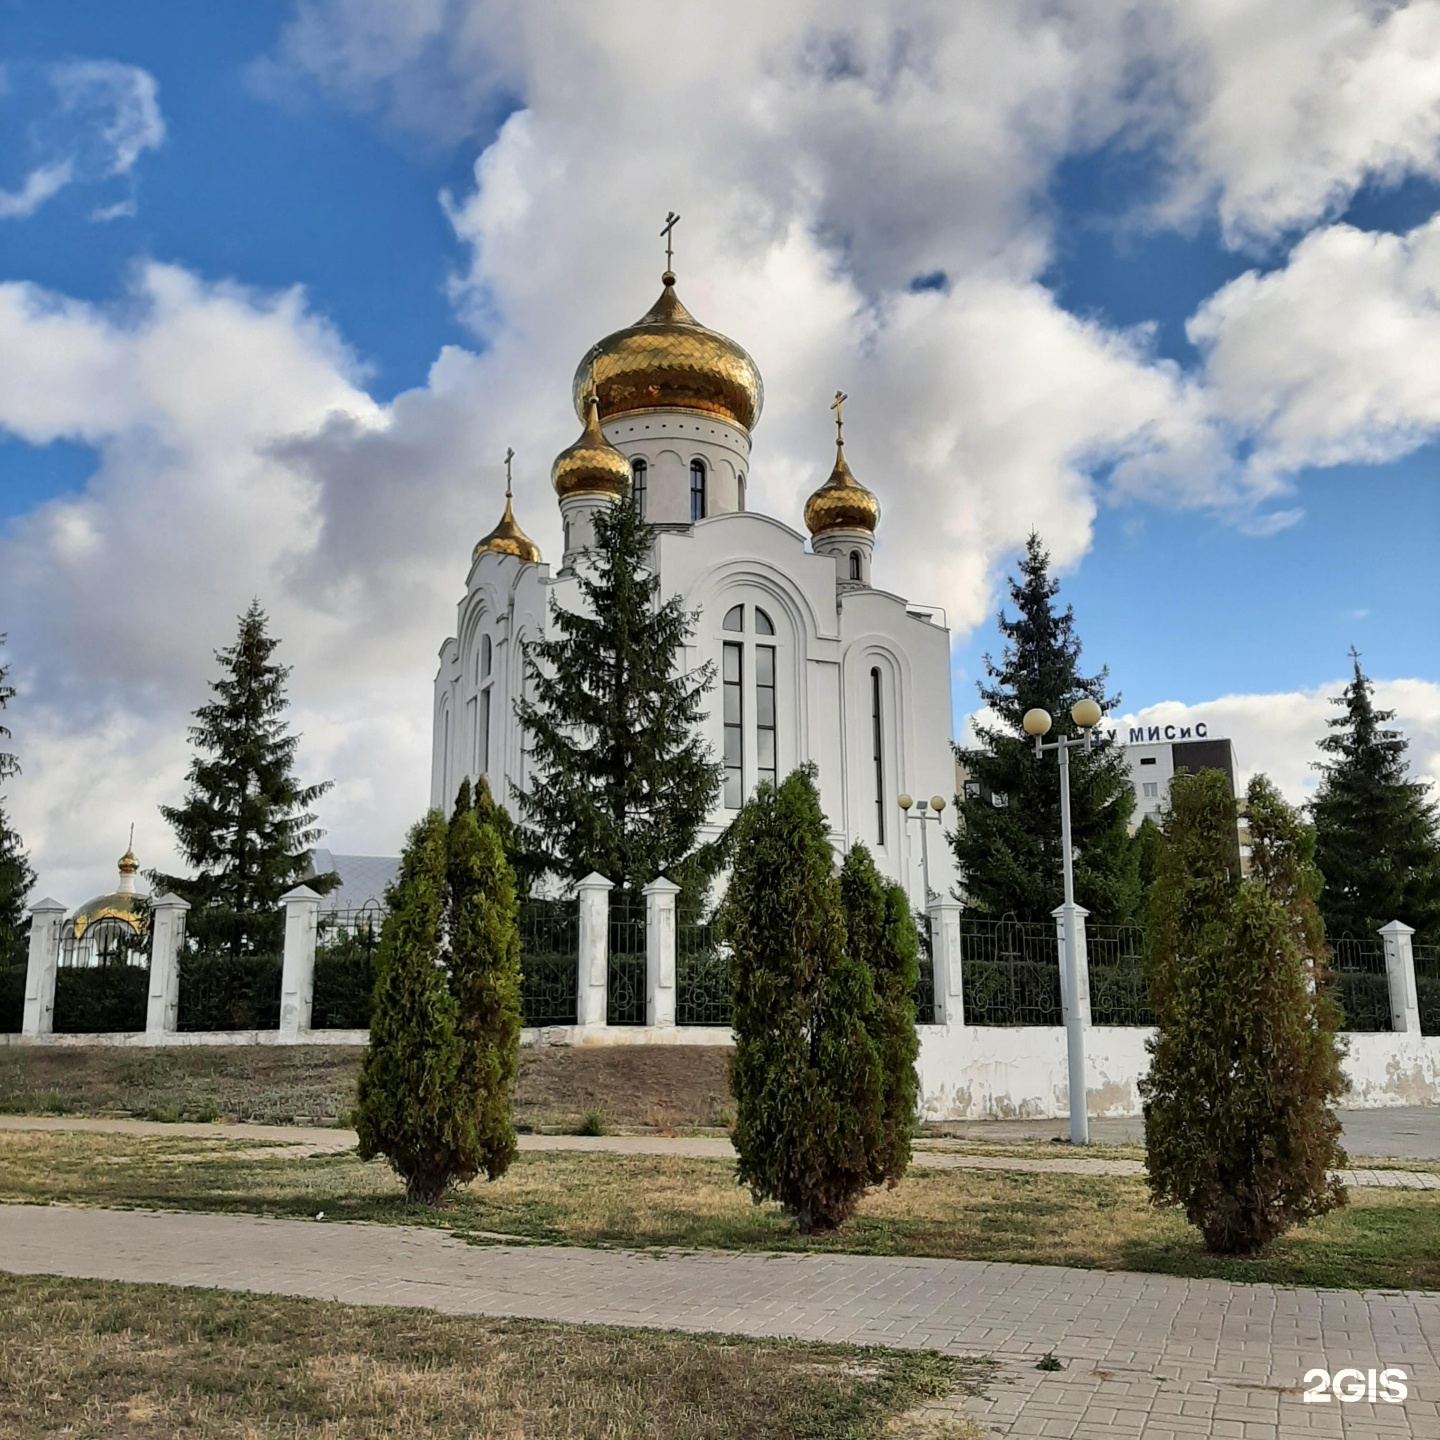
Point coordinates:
[[611, 1035], [142, 1039]]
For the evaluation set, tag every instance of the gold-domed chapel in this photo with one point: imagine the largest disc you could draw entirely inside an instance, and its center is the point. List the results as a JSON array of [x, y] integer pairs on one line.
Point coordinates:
[[812, 661]]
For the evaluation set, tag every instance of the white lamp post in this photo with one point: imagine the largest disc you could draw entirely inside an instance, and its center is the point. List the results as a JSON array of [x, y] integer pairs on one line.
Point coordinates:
[[1087, 715], [922, 814]]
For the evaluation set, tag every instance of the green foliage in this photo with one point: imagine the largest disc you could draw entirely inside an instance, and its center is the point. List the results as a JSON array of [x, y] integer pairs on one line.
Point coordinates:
[[101, 999], [805, 1072], [16, 875], [409, 1101], [880, 934], [1377, 831], [245, 826], [484, 966], [621, 781], [1239, 1124], [1009, 857], [1149, 843]]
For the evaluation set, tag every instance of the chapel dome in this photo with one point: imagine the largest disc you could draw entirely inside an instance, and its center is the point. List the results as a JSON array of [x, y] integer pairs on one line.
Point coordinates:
[[507, 538], [123, 903], [842, 502], [668, 360], [592, 465]]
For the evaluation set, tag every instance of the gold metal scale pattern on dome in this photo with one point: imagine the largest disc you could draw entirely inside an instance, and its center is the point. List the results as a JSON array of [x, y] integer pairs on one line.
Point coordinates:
[[507, 538], [122, 904], [842, 502], [592, 465]]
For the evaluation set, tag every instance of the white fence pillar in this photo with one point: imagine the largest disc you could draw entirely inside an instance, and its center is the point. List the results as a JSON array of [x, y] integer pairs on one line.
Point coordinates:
[[46, 920], [945, 957], [167, 935], [594, 948], [297, 978], [1400, 971], [1082, 953], [660, 896]]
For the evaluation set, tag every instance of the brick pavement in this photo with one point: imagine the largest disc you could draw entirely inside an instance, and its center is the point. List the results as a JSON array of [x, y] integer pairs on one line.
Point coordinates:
[[1147, 1357]]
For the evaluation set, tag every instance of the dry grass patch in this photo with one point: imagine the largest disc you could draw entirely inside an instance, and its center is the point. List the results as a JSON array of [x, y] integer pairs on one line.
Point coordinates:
[[100, 1359]]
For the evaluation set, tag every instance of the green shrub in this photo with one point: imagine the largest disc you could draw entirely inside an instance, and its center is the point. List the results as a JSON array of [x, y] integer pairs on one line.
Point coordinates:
[[1239, 1125], [101, 999]]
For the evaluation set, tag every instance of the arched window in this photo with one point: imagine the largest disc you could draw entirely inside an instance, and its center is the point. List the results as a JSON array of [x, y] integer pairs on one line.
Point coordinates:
[[697, 490], [567, 534], [878, 742], [855, 571], [485, 655], [742, 492], [763, 624], [639, 472], [734, 618]]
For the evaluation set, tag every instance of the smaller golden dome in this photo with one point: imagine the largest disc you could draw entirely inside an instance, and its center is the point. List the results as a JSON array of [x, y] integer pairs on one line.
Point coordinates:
[[123, 903], [592, 464], [842, 502], [507, 538]]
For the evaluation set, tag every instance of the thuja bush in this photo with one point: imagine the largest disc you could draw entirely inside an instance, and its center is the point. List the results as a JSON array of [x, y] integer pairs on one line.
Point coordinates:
[[806, 1071], [1240, 1128]]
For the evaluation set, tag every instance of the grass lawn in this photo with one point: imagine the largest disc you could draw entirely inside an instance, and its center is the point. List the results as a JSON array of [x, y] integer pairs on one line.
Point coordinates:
[[1384, 1239], [99, 1359]]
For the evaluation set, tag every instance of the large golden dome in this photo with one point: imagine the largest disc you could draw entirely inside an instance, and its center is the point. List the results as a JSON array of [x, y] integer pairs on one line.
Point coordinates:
[[122, 904], [507, 538], [592, 464], [842, 502], [668, 360]]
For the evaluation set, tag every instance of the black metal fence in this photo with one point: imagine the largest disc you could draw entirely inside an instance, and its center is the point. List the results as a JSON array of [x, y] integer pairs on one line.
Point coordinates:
[[549, 960], [925, 987], [1009, 972], [702, 975], [222, 991], [1427, 986], [345, 945], [102, 984], [625, 976], [1119, 988], [13, 963], [1361, 983]]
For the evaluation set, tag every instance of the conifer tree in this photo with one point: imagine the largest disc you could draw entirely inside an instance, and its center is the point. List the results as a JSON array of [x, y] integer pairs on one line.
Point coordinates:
[[484, 969], [805, 1072], [16, 875], [414, 1105], [1149, 842], [1009, 854], [620, 780], [1376, 830], [880, 933], [1239, 1122], [245, 826]]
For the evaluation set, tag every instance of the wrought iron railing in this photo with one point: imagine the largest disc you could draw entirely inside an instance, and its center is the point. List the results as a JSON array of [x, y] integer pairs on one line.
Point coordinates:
[[220, 990], [1010, 972], [345, 945], [549, 961], [925, 986], [1119, 989], [1361, 983], [625, 978], [702, 975], [1427, 987], [13, 964], [102, 984]]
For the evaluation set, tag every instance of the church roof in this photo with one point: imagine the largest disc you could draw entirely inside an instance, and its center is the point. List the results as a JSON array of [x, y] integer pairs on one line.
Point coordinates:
[[507, 538], [123, 903], [592, 464]]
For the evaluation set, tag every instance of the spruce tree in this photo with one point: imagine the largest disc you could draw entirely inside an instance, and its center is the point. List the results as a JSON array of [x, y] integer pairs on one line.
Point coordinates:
[[484, 967], [1149, 842], [414, 1105], [245, 826], [1240, 1128], [620, 780], [805, 1072], [880, 933], [1377, 837], [1009, 855], [16, 875]]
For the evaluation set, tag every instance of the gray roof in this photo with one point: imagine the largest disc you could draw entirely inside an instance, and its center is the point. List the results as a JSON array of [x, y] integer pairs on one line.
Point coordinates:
[[363, 878]]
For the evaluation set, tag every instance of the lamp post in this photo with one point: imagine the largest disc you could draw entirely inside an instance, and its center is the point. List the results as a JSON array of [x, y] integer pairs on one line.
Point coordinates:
[[1087, 715], [922, 814]]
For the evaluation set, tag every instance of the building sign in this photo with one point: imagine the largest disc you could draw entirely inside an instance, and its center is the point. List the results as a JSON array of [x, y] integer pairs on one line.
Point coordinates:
[[1143, 735]]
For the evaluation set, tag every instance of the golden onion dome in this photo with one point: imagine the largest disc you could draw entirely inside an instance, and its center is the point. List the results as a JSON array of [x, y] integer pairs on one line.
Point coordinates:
[[668, 360], [507, 538], [122, 903], [842, 502], [592, 465]]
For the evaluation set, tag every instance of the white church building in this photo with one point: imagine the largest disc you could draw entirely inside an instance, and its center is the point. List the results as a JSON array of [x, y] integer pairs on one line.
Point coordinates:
[[812, 661]]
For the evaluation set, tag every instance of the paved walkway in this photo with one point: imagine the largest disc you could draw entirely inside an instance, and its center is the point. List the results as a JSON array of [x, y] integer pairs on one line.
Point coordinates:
[[1145, 1355]]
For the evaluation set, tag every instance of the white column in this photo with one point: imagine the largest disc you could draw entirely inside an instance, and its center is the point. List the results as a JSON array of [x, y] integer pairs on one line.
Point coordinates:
[[1400, 971], [47, 917], [1082, 957], [594, 960], [944, 918], [660, 896], [167, 935], [297, 978]]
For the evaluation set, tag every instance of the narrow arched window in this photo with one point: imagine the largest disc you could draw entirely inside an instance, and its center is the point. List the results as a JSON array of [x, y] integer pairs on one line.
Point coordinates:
[[855, 565], [877, 738], [734, 618], [742, 492], [697, 490], [763, 623], [639, 474], [485, 655], [567, 534]]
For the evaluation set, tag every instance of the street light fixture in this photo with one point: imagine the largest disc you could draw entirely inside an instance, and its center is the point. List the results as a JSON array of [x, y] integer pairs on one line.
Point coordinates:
[[922, 814], [1087, 715]]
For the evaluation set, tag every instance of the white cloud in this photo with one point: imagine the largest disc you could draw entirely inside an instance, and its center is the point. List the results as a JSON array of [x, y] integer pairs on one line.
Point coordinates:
[[40, 184]]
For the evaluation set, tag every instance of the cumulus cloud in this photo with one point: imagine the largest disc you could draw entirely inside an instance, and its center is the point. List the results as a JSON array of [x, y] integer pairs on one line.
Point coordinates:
[[88, 122]]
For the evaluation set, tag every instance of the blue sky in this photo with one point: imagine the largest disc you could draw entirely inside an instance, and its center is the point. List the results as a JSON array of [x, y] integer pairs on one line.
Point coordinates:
[[325, 151]]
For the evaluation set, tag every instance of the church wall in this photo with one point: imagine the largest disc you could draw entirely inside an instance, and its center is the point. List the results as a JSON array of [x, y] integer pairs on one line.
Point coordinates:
[[668, 440]]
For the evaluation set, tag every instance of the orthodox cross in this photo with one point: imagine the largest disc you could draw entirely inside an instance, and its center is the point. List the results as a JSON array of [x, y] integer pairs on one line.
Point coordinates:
[[840, 399], [668, 232], [509, 456]]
